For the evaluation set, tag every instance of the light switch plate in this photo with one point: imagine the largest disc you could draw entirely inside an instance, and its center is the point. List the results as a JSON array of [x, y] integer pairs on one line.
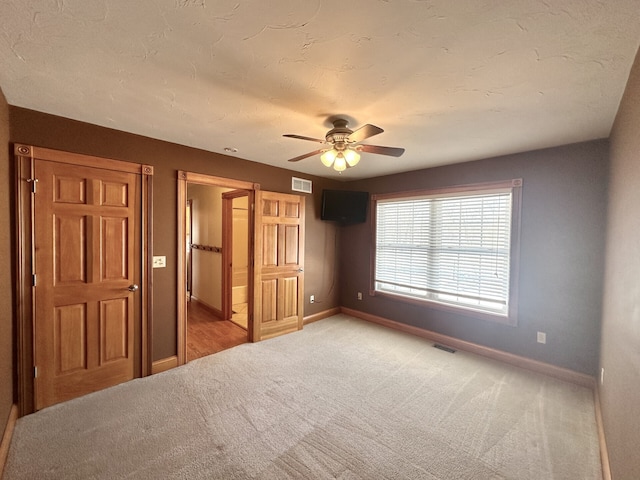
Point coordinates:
[[159, 261]]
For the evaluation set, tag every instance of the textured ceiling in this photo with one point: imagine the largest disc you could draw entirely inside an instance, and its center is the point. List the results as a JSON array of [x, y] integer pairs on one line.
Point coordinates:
[[450, 81]]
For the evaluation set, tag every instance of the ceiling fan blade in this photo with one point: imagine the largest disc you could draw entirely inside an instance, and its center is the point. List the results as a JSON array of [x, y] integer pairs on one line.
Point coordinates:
[[300, 137], [364, 132], [391, 151], [306, 155]]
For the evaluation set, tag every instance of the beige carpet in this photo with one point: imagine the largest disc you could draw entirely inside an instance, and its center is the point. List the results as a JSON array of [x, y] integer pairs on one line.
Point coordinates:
[[341, 399]]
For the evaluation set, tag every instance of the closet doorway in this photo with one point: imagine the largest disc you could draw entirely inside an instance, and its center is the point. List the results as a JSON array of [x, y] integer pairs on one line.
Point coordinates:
[[217, 244]]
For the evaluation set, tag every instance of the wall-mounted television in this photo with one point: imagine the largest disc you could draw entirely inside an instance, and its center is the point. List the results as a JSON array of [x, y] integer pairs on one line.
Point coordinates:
[[344, 206]]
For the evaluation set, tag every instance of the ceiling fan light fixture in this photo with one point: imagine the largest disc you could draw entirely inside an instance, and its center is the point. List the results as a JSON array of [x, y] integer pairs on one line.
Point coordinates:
[[328, 157], [343, 147], [340, 164], [352, 157]]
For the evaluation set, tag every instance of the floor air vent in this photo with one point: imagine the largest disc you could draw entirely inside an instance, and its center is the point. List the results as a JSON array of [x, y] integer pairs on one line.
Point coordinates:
[[442, 347]]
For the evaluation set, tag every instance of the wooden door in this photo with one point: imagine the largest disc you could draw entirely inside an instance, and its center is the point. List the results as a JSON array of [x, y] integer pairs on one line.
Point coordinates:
[[230, 240], [279, 264], [87, 265]]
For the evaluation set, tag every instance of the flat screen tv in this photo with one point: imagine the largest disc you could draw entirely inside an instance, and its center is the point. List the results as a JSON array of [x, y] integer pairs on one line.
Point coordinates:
[[344, 206]]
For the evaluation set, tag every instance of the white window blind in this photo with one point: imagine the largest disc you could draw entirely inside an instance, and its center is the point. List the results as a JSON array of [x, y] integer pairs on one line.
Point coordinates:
[[452, 249]]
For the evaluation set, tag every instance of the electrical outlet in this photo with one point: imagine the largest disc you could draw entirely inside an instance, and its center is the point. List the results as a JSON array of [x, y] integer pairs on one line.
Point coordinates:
[[359, 295], [542, 337], [159, 262], [312, 299], [602, 376]]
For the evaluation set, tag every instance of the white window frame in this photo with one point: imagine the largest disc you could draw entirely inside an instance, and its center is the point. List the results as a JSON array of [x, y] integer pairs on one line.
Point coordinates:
[[414, 287]]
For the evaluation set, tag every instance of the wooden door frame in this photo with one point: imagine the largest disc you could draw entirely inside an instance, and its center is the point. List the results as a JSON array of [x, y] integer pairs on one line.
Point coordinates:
[[227, 249], [189, 262], [26, 184], [185, 178]]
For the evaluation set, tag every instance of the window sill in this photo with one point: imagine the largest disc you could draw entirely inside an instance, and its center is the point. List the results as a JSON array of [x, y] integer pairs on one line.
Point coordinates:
[[510, 320]]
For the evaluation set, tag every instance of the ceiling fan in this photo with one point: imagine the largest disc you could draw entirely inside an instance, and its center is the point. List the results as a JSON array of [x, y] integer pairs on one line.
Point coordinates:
[[344, 147]]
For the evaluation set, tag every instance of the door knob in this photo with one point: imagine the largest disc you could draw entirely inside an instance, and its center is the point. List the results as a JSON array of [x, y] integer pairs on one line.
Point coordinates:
[[133, 287]]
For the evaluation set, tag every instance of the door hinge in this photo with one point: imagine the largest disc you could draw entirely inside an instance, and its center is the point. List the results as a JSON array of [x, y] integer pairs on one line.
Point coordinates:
[[33, 182], [35, 372], [34, 280]]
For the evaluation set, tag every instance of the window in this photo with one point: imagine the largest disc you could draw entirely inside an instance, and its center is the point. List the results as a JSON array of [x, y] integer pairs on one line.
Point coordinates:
[[456, 247]]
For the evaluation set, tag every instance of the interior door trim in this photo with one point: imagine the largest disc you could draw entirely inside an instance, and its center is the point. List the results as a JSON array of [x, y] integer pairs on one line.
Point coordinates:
[[184, 178], [25, 156]]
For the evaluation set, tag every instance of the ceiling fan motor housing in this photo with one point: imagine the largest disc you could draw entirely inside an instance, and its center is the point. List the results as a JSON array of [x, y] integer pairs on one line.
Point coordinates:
[[339, 134]]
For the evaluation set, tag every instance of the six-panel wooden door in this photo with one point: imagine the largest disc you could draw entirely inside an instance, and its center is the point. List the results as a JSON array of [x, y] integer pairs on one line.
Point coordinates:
[[87, 264], [279, 264]]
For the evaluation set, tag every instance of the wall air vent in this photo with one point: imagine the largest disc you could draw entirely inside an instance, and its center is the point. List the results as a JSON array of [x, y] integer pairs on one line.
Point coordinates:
[[300, 185]]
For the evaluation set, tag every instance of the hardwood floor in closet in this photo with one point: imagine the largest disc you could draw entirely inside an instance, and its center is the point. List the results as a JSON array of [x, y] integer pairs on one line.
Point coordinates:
[[207, 334]]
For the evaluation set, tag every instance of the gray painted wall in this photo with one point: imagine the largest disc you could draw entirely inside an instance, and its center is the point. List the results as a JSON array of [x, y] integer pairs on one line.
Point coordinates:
[[561, 257]]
